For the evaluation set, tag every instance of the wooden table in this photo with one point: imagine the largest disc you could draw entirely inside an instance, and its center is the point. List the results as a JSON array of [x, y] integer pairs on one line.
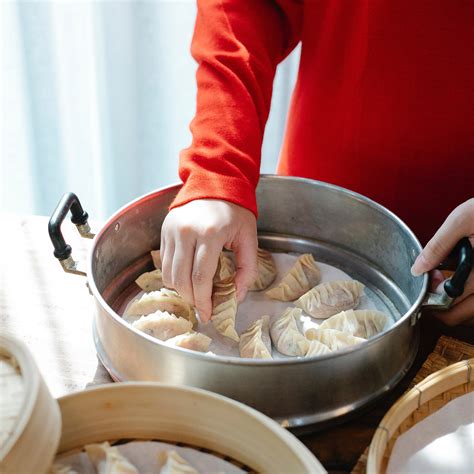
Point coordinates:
[[51, 311]]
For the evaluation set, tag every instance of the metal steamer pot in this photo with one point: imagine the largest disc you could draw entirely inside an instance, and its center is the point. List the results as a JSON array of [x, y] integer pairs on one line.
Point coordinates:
[[341, 228]]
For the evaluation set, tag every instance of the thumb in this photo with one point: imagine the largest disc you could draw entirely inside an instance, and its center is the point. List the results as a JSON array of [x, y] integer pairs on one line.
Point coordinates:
[[245, 250]]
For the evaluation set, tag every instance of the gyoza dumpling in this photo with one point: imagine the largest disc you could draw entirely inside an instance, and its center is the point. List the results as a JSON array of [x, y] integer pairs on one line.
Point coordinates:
[[304, 274], [317, 348], [175, 464], [162, 300], [332, 338], [360, 323], [255, 342], [224, 308], [225, 268], [267, 271], [331, 298], [150, 281], [162, 325], [108, 459], [156, 257], [286, 335], [194, 341]]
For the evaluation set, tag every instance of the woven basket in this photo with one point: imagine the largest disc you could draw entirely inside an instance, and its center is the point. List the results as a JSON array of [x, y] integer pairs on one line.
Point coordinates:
[[424, 399]]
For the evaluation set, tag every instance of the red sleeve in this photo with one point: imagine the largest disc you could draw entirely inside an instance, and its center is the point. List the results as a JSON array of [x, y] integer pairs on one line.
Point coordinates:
[[237, 45]]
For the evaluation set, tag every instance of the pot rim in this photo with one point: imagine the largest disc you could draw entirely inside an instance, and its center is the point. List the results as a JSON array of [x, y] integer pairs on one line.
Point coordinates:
[[259, 362]]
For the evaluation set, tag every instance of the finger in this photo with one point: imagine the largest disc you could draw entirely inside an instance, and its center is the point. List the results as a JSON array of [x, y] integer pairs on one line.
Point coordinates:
[[436, 279], [206, 257], [437, 249], [460, 313], [245, 250], [181, 268], [166, 262]]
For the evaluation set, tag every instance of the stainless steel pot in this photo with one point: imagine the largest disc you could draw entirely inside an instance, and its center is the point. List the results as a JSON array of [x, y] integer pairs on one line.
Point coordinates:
[[339, 227]]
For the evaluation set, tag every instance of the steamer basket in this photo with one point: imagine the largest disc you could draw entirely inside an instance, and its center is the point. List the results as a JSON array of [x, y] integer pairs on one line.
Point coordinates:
[[425, 398], [154, 411], [32, 444]]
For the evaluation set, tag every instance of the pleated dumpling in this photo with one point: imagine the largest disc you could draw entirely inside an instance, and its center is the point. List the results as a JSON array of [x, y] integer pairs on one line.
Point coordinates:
[[332, 338], [175, 464], [162, 325], [156, 257], [224, 308], [359, 323], [304, 274], [331, 298], [108, 459], [286, 335], [194, 341], [316, 348], [225, 268], [255, 342], [267, 271], [162, 300], [150, 281]]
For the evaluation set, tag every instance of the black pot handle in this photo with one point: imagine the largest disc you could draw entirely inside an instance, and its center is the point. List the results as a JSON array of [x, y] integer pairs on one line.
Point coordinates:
[[62, 251], [454, 287]]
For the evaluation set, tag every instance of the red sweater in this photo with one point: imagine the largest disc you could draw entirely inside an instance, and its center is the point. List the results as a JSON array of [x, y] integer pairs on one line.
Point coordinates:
[[383, 103]]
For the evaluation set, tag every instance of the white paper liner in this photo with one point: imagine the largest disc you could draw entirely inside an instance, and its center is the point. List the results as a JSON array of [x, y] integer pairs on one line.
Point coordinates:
[[257, 304], [441, 443], [144, 455]]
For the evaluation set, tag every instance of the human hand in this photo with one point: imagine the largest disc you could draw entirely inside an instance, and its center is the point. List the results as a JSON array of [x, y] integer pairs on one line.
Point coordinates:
[[459, 224], [192, 238]]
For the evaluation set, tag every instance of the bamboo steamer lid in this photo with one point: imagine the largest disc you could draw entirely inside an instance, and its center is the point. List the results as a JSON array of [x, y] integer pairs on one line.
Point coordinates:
[[30, 440], [150, 410], [422, 400]]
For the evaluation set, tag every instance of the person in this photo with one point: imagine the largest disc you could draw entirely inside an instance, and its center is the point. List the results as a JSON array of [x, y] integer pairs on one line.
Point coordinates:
[[383, 105]]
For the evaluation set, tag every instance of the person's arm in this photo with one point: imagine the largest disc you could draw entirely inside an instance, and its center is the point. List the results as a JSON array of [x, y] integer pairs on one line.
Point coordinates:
[[459, 224], [238, 45]]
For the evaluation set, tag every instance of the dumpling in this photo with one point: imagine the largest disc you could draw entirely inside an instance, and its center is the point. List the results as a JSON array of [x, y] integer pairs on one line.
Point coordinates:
[[304, 274], [267, 271], [175, 464], [332, 338], [331, 298], [317, 348], [255, 342], [150, 281], [360, 323], [108, 459], [225, 268], [156, 257], [224, 308], [162, 325], [162, 300], [194, 341], [286, 335]]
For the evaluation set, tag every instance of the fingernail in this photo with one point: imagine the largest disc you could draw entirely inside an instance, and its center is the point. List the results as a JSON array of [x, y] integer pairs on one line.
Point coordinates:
[[415, 269]]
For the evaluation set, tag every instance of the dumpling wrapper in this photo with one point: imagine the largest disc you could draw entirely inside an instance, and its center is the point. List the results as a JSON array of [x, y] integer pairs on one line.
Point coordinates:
[[331, 298], [108, 459], [317, 348], [162, 325], [255, 342], [150, 281], [267, 271], [162, 300], [156, 257], [304, 274], [332, 338], [359, 323], [175, 464], [225, 268], [224, 308], [194, 341], [286, 335]]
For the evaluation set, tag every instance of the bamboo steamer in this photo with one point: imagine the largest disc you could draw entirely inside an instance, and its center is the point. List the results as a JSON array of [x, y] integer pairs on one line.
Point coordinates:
[[422, 400], [155, 411], [32, 443]]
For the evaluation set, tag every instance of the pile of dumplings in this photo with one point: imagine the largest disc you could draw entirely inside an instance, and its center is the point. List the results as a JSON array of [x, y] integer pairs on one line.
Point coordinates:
[[164, 315]]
